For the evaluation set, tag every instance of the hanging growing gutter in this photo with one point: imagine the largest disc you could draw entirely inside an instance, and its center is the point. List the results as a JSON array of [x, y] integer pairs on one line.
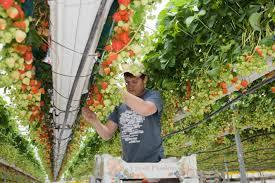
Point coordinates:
[[82, 63], [4, 163], [76, 30]]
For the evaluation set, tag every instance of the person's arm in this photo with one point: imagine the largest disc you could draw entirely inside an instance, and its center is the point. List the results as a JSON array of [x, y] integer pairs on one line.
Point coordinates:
[[104, 131], [142, 107]]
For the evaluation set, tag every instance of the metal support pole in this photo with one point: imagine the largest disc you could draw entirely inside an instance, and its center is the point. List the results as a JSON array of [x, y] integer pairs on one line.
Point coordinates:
[[226, 171], [240, 157], [4, 179]]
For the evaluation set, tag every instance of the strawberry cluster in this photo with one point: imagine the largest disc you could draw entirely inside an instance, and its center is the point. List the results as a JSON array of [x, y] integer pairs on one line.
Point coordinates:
[[20, 68], [119, 42]]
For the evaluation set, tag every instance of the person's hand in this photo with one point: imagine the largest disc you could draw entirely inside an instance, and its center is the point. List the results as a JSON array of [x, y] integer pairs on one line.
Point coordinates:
[[89, 115]]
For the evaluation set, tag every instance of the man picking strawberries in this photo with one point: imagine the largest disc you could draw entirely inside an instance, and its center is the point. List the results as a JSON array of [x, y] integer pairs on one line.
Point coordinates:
[[138, 120]]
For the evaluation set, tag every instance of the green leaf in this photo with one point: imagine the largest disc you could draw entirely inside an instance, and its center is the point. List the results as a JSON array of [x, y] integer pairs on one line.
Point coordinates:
[[179, 3], [189, 20], [34, 39], [138, 16], [227, 47], [254, 21]]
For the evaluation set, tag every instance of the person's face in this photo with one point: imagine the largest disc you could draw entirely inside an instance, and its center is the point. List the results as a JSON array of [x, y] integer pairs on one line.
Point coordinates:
[[135, 85]]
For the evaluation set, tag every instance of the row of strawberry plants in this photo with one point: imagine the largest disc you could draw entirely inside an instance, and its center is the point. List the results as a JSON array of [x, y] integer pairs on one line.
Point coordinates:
[[18, 75], [15, 149], [254, 112], [11, 175], [201, 58]]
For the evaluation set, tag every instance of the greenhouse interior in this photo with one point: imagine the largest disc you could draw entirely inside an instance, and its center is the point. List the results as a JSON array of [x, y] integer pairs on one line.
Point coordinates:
[[137, 91]]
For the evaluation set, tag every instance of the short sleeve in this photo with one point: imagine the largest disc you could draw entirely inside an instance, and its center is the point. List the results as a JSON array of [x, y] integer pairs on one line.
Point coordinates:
[[155, 97], [114, 116]]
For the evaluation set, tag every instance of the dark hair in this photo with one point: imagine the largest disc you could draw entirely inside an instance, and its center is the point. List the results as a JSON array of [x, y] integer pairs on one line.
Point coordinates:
[[128, 74]]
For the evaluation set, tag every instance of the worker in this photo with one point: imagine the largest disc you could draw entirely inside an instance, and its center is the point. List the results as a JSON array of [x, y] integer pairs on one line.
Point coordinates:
[[138, 119]]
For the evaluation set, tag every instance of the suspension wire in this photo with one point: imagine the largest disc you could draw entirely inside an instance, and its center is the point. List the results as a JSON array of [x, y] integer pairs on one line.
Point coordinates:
[[71, 48]]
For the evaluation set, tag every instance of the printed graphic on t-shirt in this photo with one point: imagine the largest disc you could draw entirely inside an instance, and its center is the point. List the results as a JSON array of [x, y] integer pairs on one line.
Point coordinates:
[[131, 123]]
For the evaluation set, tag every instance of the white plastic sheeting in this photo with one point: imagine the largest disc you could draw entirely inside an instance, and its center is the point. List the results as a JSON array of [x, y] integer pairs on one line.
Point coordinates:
[[71, 24]]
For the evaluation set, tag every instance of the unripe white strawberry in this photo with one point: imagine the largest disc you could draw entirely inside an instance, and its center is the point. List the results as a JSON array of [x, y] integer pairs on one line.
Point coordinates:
[[3, 24], [20, 36], [12, 12]]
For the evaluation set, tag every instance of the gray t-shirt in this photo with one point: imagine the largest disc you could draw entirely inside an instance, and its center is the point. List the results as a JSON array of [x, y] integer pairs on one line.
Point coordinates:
[[140, 136]]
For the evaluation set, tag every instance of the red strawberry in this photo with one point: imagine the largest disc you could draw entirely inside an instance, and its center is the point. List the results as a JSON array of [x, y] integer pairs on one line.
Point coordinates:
[[124, 15], [33, 82], [273, 89], [34, 90], [117, 17], [104, 64], [42, 91], [224, 91], [20, 24], [109, 62], [28, 67], [117, 45], [38, 84], [108, 48], [124, 2], [104, 85], [90, 101], [112, 57], [21, 71], [234, 80], [22, 49], [96, 103], [238, 87], [259, 51], [107, 70], [124, 37], [6, 4], [99, 97], [223, 85], [131, 53], [28, 56], [244, 83]]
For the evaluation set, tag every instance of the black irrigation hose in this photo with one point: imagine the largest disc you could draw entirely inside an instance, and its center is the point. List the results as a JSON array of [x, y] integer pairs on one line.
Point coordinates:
[[227, 105]]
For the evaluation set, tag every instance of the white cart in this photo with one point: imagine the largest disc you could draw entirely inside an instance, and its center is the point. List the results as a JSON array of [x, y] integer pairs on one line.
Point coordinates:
[[110, 169]]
